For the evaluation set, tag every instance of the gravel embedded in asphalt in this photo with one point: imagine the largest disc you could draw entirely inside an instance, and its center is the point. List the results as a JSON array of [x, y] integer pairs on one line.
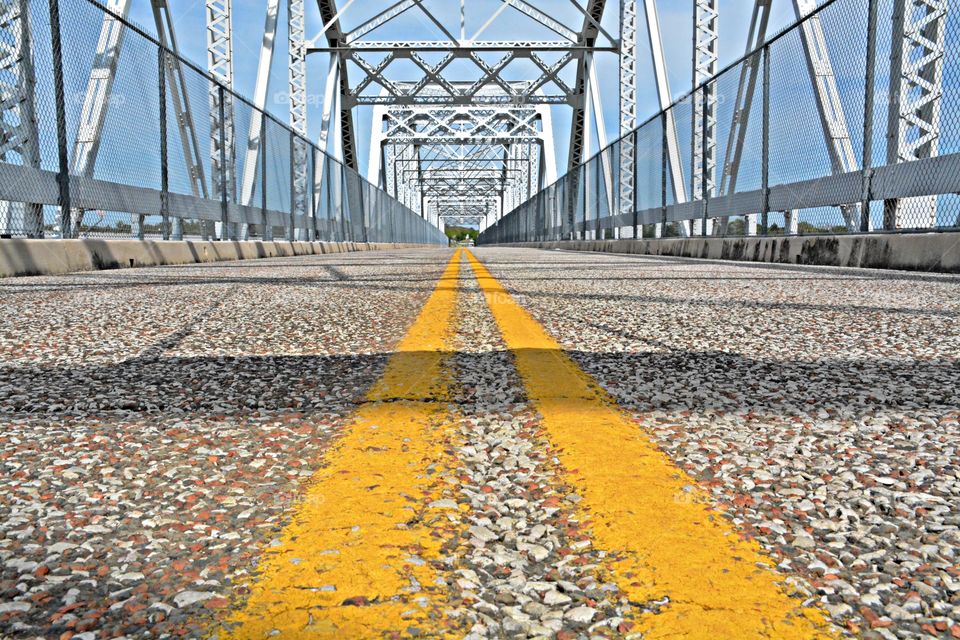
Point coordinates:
[[819, 406], [524, 566], [158, 423]]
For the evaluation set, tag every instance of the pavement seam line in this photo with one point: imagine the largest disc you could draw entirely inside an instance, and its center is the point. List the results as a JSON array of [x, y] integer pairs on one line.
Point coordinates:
[[669, 541], [355, 560]]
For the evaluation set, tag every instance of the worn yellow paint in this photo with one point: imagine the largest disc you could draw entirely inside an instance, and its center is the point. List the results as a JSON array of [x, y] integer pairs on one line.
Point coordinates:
[[660, 528], [360, 530]]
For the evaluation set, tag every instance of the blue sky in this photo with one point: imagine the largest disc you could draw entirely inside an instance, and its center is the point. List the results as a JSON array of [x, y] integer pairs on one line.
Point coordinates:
[[675, 18]]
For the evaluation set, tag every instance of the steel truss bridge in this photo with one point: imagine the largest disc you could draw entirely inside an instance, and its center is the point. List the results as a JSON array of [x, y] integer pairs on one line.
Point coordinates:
[[463, 118]]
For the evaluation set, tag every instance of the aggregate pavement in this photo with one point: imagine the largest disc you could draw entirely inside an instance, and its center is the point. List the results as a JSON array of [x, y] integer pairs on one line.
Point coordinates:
[[819, 406], [157, 427]]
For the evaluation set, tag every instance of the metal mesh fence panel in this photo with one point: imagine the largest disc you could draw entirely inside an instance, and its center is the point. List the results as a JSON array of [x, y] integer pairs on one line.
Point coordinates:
[[794, 122], [919, 105], [739, 138], [247, 185], [278, 176], [28, 121], [650, 177], [127, 150], [107, 133]]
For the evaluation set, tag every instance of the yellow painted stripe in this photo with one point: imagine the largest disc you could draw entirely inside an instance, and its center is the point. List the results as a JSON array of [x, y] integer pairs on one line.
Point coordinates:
[[666, 539], [354, 561]]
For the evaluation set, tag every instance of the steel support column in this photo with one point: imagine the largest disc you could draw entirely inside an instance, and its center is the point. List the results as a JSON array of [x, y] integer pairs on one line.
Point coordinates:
[[916, 89], [223, 160], [297, 82], [746, 89], [674, 160], [183, 115], [18, 119], [628, 103], [832, 119], [704, 117]]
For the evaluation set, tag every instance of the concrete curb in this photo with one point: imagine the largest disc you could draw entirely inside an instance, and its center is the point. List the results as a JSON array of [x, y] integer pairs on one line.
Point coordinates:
[[933, 252], [22, 257]]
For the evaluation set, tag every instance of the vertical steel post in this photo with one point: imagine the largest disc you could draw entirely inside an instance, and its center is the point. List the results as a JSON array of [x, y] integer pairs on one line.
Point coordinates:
[[363, 211], [63, 165], [705, 168], [597, 231], [868, 103], [164, 167], [297, 83], [663, 173], [347, 224], [313, 201], [224, 232], [917, 58], [765, 143], [291, 226], [267, 231], [635, 200], [18, 114], [703, 138], [333, 233], [628, 108]]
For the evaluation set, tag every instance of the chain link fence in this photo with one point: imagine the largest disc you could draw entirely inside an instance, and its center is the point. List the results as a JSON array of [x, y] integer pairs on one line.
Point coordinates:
[[786, 130], [104, 132]]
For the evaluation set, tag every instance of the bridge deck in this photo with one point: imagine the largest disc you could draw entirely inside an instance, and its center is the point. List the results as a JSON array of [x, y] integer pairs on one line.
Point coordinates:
[[525, 443]]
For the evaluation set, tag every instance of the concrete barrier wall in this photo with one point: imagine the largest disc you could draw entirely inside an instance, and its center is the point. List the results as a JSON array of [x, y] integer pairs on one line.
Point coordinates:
[[938, 252], [21, 257]]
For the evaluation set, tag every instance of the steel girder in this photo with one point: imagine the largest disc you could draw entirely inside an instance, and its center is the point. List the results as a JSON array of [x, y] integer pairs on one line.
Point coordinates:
[[441, 154], [256, 133], [587, 38], [579, 124], [916, 89], [452, 219], [832, 120], [483, 110], [98, 95], [704, 118], [297, 82], [222, 130], [628, 102], [571, 47], [476, 125], [96, 99], [661, 79], [183, 115], [438, 116], [335, 38], [18, 120], [469, 95], [746, 88]]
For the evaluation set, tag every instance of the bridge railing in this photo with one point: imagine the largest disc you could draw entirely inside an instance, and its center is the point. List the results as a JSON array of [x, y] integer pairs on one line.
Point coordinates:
[[107, 133], [791, 125]]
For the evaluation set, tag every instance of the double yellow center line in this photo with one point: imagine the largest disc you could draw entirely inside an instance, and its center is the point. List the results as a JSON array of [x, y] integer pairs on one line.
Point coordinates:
[[356, 560]]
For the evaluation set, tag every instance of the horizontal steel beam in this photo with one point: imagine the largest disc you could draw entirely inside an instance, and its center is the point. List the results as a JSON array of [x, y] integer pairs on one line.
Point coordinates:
[[405, 48], [457, 100]]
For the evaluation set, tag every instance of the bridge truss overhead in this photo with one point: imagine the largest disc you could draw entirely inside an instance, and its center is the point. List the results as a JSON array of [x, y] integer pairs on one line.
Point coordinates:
[[467, 163], [462, 121]]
